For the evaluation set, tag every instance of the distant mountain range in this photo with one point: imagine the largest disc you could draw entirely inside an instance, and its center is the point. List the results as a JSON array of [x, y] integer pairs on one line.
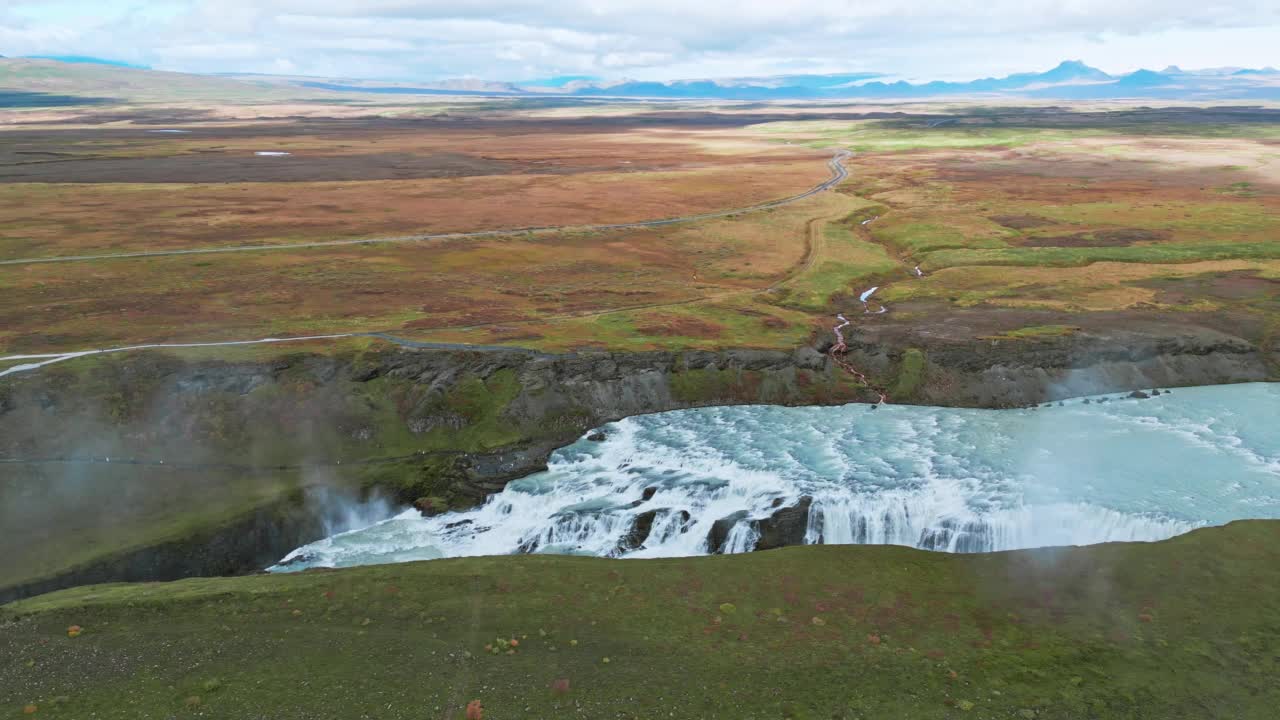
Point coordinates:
[[87, 60], [1070, 80]]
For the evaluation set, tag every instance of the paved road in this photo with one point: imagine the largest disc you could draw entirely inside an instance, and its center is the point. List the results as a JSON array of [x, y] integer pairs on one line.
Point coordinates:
[[51, 358], [836, 163]]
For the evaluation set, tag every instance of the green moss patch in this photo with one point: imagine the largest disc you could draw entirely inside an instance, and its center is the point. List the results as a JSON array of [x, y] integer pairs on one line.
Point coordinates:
[[1036, 331], [910, 374], [1077, 256], [844, 259], [703, 386]]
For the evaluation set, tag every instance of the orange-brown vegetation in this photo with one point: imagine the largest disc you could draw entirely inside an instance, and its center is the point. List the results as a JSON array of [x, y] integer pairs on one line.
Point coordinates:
[[71, 192]]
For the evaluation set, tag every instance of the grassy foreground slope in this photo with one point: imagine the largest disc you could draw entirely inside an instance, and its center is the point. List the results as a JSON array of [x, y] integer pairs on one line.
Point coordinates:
[[1187, 628]]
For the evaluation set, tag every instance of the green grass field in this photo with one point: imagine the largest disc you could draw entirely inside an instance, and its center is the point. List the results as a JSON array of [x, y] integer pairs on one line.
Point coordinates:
[[1179, 629], [1075, 256], [844, 259]]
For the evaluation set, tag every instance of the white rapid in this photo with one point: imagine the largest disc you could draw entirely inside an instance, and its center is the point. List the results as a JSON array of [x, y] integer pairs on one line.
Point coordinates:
[[1089, 471], [866, 298]]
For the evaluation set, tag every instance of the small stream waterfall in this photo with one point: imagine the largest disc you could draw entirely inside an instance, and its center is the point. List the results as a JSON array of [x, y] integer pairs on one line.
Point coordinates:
[[956, 480]]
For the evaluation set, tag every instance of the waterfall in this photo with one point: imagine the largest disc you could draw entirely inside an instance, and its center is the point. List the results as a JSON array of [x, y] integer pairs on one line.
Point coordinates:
[[722, 479]]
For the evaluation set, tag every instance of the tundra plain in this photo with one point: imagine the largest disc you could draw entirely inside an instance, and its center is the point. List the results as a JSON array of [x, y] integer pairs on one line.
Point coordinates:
[[1013, 215]]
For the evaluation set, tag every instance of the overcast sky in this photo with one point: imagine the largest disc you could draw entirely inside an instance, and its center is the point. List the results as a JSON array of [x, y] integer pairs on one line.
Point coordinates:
[[645, 39]]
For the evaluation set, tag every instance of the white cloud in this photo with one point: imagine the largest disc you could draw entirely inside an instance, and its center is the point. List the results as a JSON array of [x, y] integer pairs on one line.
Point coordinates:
[[647, 39]]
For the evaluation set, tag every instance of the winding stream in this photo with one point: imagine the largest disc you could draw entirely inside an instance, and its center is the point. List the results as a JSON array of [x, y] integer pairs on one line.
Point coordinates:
[[962, 480]]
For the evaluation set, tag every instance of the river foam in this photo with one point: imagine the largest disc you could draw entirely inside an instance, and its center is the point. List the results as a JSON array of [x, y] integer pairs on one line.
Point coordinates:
[[957, 480]]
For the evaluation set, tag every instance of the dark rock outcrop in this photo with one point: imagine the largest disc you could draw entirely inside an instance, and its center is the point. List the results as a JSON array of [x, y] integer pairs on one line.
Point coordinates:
[[642, 527], [639, 532], [1116, 354], [786, 526], [720, 530]]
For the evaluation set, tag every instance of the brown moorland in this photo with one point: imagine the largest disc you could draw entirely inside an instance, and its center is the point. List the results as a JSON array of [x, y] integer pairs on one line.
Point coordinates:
[[406, 288], [89, 190], [1090, 215], [1043, 233]]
